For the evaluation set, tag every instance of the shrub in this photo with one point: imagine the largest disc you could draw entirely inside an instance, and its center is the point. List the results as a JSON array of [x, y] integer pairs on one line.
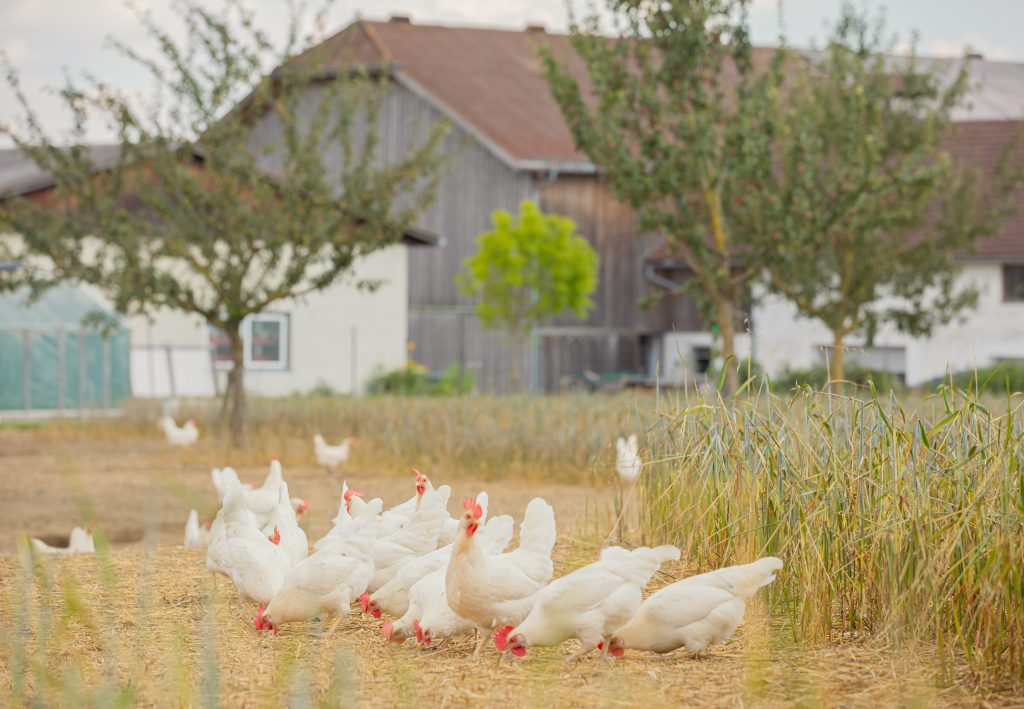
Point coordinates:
[[416, 379], [817, 378]]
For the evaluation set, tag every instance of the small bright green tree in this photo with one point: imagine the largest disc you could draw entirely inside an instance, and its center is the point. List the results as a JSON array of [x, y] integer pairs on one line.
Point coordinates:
[[528, 268], [868, 207]]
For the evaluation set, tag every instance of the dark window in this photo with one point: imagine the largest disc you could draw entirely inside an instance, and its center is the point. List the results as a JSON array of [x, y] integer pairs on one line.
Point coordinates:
[[702, 359], [1013, 282]]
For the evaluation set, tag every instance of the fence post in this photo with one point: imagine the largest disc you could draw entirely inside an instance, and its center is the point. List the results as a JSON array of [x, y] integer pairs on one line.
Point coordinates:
[[107, 374], [26, 371], [81, 371], [62, 344], [170, 372]]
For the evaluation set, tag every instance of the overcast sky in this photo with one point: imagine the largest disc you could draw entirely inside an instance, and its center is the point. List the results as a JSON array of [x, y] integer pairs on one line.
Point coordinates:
[[45, 38]]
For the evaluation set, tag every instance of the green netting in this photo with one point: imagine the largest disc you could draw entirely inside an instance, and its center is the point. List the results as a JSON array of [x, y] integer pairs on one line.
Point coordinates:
[[69, 367]]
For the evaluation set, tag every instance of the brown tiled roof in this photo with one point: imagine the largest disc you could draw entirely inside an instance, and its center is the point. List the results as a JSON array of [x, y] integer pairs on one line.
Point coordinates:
[[978, 144], [490, 79]]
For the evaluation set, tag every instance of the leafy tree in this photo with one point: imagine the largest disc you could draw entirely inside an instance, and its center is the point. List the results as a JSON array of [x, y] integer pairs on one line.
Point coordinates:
[[221, 203], [529, 268], [679, 116], [869, 207]]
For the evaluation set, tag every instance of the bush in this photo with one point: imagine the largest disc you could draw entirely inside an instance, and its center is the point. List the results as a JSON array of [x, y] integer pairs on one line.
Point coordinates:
[[817, 378], [415, 379], [993, 379]]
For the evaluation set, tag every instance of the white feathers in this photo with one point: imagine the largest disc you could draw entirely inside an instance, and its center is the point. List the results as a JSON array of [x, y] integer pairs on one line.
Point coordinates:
[[627, 459], [179, 436]]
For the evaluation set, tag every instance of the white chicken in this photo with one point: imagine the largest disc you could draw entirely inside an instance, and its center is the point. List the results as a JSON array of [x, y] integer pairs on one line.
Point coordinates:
[[240, 551], [325, 583], [415, 539], [589, 603], [393, 597], [79, 542], [355, 518], [492, 591], [265, 494], [332, 457], [196, 535], [627, 459], [222, 478], [427, 613], [182, 436], [283, 528], [695, 612]]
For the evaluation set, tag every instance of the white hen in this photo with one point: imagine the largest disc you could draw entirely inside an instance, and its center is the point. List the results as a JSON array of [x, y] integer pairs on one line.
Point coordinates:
[[196, 535], [695, 612], [393, 597], [325, 583], [283, 528], [79, 542], [494, 591], [415, 539], [240, 551], [589, 603], [627, 459], [182, 436], [428, 614], [332, 457], [354, 518]]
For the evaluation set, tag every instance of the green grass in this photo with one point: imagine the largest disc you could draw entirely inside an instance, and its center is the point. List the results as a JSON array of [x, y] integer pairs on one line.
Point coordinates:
[[893, 523]]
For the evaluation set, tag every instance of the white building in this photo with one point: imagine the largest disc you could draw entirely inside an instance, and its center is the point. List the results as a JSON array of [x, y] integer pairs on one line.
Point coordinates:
[[337, 338]]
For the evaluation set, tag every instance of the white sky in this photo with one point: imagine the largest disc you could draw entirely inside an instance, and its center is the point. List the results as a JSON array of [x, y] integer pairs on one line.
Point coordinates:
[[46, 38]]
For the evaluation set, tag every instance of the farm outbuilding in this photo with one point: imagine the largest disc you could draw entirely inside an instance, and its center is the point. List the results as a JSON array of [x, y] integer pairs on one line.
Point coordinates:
[[51, 362]]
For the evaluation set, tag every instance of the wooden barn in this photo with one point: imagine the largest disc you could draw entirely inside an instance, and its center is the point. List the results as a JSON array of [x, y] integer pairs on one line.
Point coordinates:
[[510, 143]]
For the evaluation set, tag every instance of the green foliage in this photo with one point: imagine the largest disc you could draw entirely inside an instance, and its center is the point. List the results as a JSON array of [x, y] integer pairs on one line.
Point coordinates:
[[680, 125], [869, 208], [817, 378], [1007, 376], [528, 268], [221, 202], [415, 379]]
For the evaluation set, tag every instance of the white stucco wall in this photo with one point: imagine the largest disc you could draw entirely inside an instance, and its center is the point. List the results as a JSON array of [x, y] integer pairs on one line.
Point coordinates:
[[676, 364], [994, 331], [326, 332]]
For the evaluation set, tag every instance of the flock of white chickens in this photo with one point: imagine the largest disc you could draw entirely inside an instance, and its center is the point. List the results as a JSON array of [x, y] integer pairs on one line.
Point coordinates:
[[439, 577]]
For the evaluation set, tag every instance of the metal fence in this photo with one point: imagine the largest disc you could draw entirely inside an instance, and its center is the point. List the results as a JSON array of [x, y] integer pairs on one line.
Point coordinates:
[[57, 371]]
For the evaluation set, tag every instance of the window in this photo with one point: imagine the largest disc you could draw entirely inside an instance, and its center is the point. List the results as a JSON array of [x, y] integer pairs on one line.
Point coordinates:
[[264, 343], [702, 359], [1013, 282]]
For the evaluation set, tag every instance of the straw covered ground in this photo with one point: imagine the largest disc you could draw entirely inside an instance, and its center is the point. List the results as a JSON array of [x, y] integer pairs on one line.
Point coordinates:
[[143, 623]]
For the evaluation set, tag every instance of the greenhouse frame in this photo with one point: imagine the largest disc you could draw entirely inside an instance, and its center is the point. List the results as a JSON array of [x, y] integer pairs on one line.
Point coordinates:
[[54, 362]]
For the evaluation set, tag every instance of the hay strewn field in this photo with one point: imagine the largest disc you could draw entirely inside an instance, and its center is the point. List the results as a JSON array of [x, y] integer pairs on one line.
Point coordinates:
[[143, 624]]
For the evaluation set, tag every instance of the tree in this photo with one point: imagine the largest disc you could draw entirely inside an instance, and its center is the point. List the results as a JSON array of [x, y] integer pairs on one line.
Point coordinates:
[[526, 269], [869, 207], [221, 202], [678, 114]]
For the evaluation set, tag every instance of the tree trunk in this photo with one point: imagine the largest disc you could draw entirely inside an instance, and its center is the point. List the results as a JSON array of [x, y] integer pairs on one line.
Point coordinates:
[[835, 366], [727, 333], [236, 388]]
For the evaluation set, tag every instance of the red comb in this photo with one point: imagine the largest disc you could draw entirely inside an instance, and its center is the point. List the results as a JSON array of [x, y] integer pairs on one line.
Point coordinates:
[[349, 494], [501, 637], [276, 539], [419, 632], [364, 601], [387, 629], [420, 477], [473, 506]]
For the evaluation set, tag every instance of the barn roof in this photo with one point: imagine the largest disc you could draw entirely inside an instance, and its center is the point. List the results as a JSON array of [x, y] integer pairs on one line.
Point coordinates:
[[19, 173], [491, 81]]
